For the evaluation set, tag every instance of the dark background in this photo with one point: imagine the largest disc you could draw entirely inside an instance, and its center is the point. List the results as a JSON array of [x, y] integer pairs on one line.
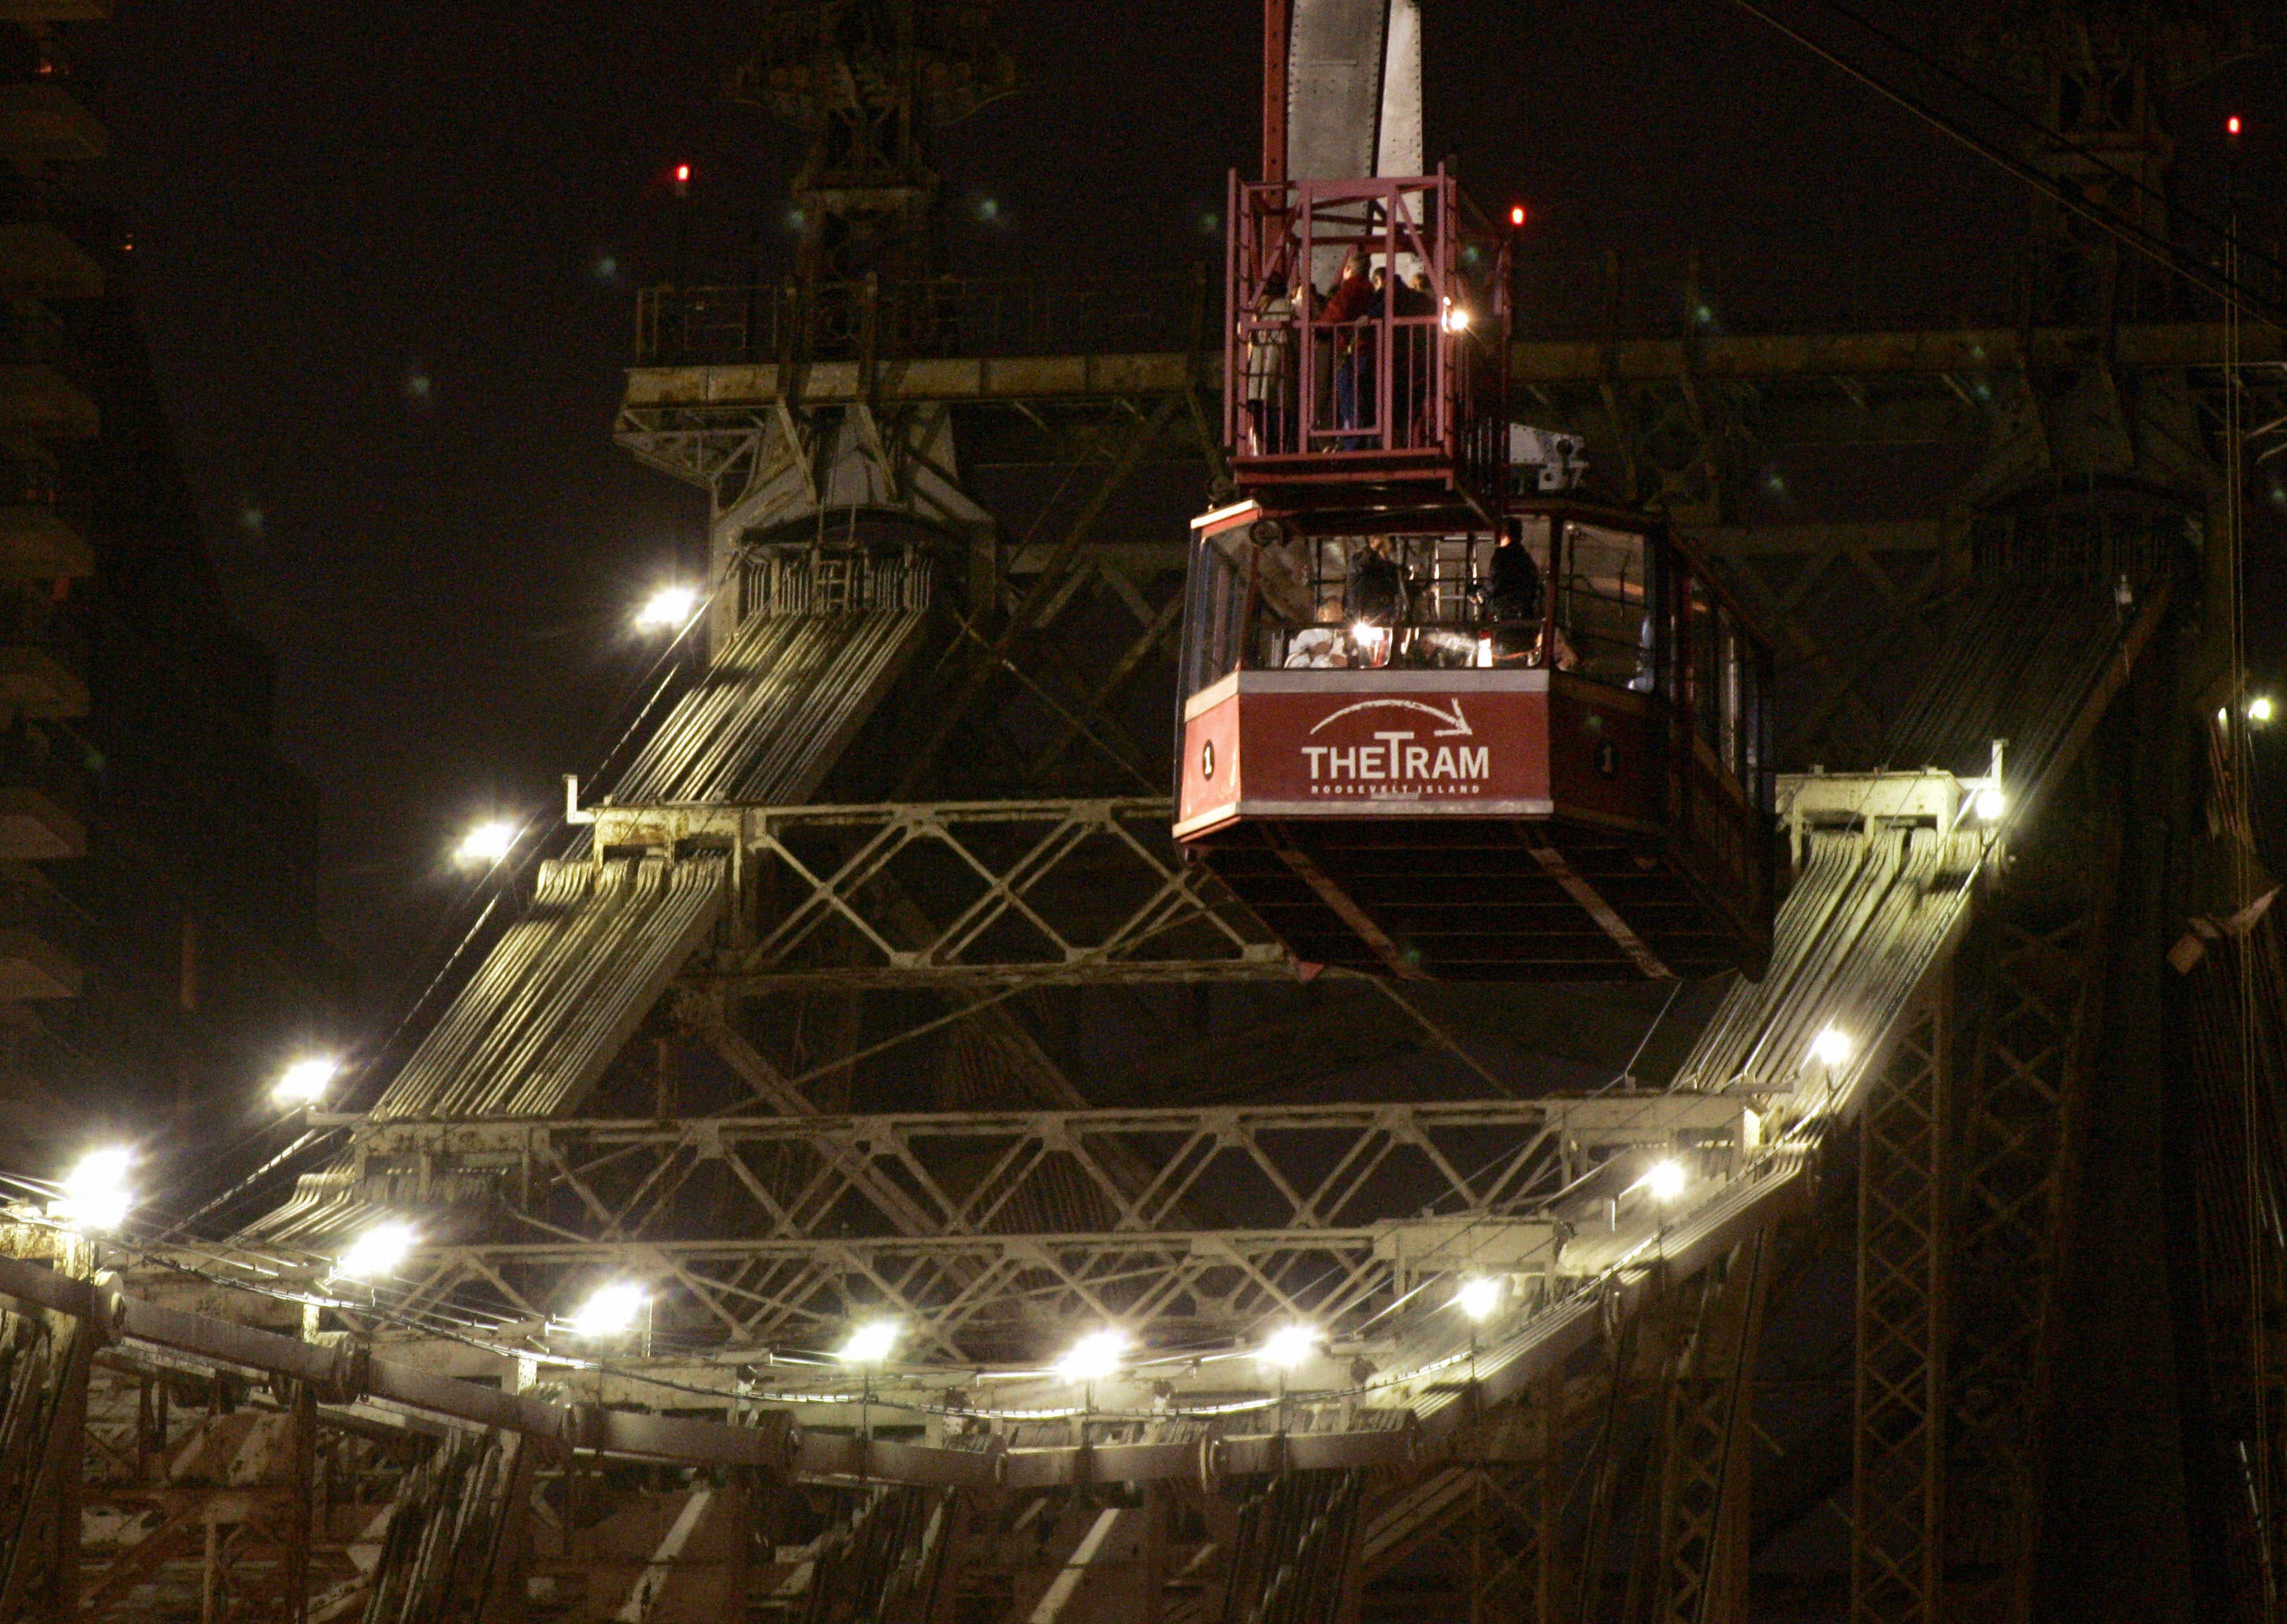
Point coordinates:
[[386, 256]]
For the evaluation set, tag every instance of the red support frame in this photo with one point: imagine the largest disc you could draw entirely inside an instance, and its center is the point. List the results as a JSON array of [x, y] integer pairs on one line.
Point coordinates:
[[1407, 399]]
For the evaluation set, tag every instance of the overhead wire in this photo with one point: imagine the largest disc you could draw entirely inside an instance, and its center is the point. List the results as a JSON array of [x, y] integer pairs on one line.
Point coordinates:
[[2156, 247]]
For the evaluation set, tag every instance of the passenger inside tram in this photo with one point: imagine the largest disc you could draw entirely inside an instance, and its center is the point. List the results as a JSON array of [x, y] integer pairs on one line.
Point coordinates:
[[1448, 602]]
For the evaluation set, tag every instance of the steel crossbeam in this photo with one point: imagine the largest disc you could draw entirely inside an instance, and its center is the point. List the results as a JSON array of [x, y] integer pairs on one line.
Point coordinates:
[[762, 1230], [1279, 1166], [1042, 893]]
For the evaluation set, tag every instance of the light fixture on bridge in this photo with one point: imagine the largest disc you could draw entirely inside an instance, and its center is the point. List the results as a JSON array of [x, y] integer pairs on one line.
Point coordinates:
[[1665, 1178], [871, 1342], [2258, 709], [305, 1080], [1288, 1346], [611, 1309], [667, 610], [1480, 1297], [95, 1198], [1093, 1357], [487, 843], [1989, 803], [1456, 318], [1832, 1047], [375, 1253]]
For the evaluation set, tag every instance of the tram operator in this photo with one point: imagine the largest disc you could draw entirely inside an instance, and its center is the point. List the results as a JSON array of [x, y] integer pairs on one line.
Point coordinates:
[[1512, 597]]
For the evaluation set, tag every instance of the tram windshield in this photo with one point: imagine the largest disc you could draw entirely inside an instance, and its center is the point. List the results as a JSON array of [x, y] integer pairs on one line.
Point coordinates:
[[1430, 603]]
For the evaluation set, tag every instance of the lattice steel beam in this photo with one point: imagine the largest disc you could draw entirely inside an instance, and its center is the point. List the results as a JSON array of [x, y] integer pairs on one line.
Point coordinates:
[[1046, 892], [1704, 1454], [1898, 1426], [2021, 1106]]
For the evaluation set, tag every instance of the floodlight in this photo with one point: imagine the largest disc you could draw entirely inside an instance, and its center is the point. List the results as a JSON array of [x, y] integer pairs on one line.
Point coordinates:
[[1832, 1045], [610, 1310], [1990, 804], [375, 1253], [871, 1342], [1456, 319], [2258, 709], [1288, 1346], [486, 843], [305, 1080], [1479, 1297], [1093, 1357], [1666, 1180], [667, 610], [95, 1194]]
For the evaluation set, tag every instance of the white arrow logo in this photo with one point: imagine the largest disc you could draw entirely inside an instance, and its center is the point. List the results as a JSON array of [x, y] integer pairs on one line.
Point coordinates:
[[1457, 724]]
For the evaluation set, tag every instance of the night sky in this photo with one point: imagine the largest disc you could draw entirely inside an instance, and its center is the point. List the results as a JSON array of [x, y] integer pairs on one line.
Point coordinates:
[[386, 256]]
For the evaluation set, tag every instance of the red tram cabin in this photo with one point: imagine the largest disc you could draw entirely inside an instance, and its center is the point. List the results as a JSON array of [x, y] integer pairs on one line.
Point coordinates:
[[1432, 729]]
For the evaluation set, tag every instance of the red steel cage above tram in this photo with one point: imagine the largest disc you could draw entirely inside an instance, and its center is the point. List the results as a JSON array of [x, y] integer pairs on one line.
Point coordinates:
[[1366, 364]]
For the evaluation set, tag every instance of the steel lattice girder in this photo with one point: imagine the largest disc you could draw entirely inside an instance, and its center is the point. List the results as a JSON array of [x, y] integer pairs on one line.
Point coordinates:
[[1898, 1422], [782, 1221], [1032, 893], [1290, 1167], [2018, 1144]]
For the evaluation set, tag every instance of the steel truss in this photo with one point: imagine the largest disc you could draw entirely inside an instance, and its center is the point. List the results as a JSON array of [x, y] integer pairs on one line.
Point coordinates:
[[1898, 1418], [772, 1229], [2023, 1099], [1046, 892]]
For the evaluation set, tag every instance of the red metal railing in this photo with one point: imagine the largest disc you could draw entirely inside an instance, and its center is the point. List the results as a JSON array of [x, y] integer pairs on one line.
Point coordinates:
[[1320, 363]]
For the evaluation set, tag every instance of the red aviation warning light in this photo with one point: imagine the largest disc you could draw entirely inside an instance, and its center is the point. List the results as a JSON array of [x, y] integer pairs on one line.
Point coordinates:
[[1515, 215], [682, 180]]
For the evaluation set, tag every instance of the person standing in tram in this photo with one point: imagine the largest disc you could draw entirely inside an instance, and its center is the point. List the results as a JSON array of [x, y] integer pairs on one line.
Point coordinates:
[[1343, 309], [1268, 365], [1374, 600], [1410, 368], [1512, 589]]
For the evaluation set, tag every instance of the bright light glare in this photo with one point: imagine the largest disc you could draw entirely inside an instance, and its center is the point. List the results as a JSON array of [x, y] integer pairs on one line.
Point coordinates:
[[2258, 709], [1517, 214], [1991, 804], [1456, 319], [375, 1253], [1093, 1357], [1479, 1297], [95, 1196], [871, 1342], [305, 1080], [1371, 640], [487, 843], [610, 1310], [1288, 1346], [1832, 1045], [1666, 1180], [2223, 716], [667, 610]]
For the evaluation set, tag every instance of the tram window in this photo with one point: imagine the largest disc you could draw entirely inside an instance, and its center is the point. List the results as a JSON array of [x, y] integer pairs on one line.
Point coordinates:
[[1705, 643], [1214, 617], [1604, 606]]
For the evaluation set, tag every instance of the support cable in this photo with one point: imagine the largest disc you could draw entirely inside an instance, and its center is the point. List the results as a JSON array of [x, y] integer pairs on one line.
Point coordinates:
[[2224, 286]]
